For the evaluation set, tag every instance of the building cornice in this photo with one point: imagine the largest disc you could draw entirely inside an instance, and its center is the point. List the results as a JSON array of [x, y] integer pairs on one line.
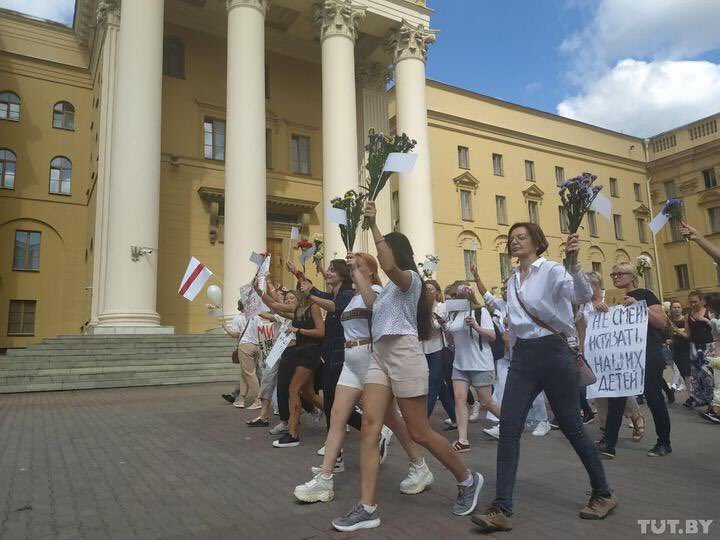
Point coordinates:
[[689, 155]]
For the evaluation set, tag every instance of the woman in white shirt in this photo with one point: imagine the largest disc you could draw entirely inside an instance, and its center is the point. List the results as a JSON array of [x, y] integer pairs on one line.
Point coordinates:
[[473, 364], [541, 295]]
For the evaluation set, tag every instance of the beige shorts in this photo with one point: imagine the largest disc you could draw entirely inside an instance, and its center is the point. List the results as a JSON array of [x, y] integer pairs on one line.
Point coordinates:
[[399, 362]]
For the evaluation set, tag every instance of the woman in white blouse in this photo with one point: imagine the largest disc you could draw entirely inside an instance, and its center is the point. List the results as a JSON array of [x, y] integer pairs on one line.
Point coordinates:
[[541, 295], [472, 332]]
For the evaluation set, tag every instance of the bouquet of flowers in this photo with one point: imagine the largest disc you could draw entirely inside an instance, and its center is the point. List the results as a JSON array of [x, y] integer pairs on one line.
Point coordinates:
[[428, 266], [577, 195], [318, 243], [303, 245], [352, 203], [378, 148], [643, 264], [673, 209]]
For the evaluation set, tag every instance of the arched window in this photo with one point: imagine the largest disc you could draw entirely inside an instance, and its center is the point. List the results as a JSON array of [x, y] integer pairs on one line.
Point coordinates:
[[173, 57], [60, 175], [10, 106], [63, 115], [7, 168]]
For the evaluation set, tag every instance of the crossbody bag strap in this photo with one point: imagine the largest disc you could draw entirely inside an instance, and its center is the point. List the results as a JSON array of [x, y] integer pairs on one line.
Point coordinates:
[[537, 321]]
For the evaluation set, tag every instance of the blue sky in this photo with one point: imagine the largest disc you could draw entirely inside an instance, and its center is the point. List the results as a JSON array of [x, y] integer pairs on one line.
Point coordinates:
[[637, 66]]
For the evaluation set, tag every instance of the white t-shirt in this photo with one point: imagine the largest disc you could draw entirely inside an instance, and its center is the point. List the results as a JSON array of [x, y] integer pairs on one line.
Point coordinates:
[[251, 334], [395, 311], [468, 355], [357, 327], [435, 342]]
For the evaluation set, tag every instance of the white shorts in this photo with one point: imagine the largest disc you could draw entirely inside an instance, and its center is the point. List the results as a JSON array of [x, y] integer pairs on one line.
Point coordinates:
[[354, 371]]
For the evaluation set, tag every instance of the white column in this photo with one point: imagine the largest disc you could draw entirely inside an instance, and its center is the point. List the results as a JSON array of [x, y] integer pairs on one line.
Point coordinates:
[[338, 21], [108, 20], [133, 217], [245, 173], [409, 46]]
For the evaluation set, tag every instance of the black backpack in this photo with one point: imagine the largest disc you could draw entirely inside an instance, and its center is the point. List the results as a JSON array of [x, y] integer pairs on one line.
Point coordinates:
[[497, 345]]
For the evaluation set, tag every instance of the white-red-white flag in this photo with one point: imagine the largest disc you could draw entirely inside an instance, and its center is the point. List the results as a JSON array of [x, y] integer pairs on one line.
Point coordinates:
[[194, 279]]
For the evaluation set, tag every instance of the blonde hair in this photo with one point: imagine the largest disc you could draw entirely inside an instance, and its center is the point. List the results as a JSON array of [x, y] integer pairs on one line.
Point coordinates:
[[595, 277], [629, 268]]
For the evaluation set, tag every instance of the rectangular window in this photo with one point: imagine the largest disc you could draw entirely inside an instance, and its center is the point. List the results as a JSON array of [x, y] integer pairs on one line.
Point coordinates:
[[395, 210], [674, 225], [670, 191], [592, 222], [268, 149], [466, 205], [214, 139], [469, 259], [533, 215], [21, 319], [564, 223], [710, 179], [614, 191], [504, 266], [638, 193], [27, 251], [642, 232], [597, 267], [500, 210], [497, 164], [559, 176], [463, 157], [683, 279], [617, 221], [300, 154], [714, 215], [529, 170]]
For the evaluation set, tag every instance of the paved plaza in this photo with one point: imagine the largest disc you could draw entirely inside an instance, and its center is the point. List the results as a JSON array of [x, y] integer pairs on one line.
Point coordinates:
[[178, 462]]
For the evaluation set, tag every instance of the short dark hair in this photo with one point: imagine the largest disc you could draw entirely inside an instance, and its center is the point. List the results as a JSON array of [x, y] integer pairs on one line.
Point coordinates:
[[696, 293], [536, 235], [712, 301], [241, 306]]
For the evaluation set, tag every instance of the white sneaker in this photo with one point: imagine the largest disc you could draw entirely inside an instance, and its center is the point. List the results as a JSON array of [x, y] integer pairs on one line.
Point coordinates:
[[337, 468], [474, 412], [321, 452], [493, 431], [419, 477], [279, 428], [316, 418], [448, 421], [384, 442], [240, 404], [542, 429], [317, 489]]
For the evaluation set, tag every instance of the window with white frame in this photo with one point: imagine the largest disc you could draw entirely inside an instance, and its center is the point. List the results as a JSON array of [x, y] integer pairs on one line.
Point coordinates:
[[533, 212], [642, 230], [60, 175], [614, 190], [26, 256], [8, 161], [638, 192], [64, 115], [617, 222], [463, 157], [564, 222], [466, 205], [592, 222], [214, 139], [497, 161], [300, 154], [559, 176], [710, 178], [529, 170], [714, 216], [21, 318], [9, 106], [501, 210], [682, 276]]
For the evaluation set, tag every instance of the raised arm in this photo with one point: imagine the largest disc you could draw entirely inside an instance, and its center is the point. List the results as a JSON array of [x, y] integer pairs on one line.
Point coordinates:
[[572, 284], [272, 304], [322, 299], [482, 289], [706, 245], [401, 278]]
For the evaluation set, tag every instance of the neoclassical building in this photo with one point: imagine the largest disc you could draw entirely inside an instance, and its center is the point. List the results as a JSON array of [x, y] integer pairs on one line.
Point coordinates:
[[153, 131]]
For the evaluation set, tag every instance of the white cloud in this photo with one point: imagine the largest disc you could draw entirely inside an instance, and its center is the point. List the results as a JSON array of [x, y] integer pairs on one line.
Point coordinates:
[[647, 98], [54, 10]]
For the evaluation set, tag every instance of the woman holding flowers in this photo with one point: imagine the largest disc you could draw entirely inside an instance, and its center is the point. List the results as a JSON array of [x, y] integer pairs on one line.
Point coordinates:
[[540, 298], [398, 368]]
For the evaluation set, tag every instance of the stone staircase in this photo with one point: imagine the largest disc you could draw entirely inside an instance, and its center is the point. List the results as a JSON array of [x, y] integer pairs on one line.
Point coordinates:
[[107, 361]]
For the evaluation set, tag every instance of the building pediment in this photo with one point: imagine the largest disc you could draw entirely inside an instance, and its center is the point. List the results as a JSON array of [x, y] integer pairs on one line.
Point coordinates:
[[533, 193], [642, 211], [709, 198], [466, 181]]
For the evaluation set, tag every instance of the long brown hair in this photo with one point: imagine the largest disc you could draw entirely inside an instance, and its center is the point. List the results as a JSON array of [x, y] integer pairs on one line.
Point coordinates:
[[438, 290], [341, 269]]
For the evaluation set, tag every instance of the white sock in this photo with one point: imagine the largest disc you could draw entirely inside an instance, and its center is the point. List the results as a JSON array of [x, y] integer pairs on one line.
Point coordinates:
[[326, 476], [468, 481], [419, 463], [370, 509]]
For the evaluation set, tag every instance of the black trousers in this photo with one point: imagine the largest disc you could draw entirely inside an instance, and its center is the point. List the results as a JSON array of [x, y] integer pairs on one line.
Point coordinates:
[[331, 374]]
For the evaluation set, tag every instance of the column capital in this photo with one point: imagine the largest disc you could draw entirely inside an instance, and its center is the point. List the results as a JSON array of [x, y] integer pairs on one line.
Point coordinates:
[[108, 11], [409, 41], [338, 18], [373, 75], [260, 5]]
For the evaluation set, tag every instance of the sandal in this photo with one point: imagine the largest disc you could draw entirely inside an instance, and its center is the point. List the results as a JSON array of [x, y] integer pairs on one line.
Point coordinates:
[[460, 447], [638, 427], [258, 422]]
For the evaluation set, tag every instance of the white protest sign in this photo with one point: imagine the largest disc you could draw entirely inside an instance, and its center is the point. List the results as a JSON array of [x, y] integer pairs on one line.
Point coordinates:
[[658, 222], [457, 305], [281, 343], [263, 273], [602, 205], [305, 255], [615, 343], [336, 215], [400, 162], [256, 258], [252, 303], [429, 265]]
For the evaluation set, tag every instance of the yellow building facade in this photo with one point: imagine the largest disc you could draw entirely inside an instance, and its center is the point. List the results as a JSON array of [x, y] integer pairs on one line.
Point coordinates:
[[97, 243]]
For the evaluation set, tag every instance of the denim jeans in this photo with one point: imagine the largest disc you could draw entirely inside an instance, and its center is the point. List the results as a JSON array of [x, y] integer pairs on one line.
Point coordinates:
[[542, 364], [437, 386]]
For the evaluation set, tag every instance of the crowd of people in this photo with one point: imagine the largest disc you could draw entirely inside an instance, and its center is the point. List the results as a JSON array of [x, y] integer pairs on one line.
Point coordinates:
[[377, 357]]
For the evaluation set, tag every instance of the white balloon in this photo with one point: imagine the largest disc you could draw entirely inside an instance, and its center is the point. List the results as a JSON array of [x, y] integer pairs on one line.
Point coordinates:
[[214, 294]]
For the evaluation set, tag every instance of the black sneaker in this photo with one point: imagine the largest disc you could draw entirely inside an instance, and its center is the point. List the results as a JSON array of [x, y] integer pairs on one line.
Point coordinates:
[[229, 398], [554, 424], [641, 399], [710, 416], [588, 418], [660, 450], [671, 396], [689, 403], [450, 427], [286, 441], [604, 451]]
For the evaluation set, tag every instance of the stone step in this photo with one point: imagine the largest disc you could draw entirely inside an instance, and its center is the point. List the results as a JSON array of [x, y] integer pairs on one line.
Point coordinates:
[[120, 352], [117, 372], [111, 346], [49, 362], [114, 383]]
